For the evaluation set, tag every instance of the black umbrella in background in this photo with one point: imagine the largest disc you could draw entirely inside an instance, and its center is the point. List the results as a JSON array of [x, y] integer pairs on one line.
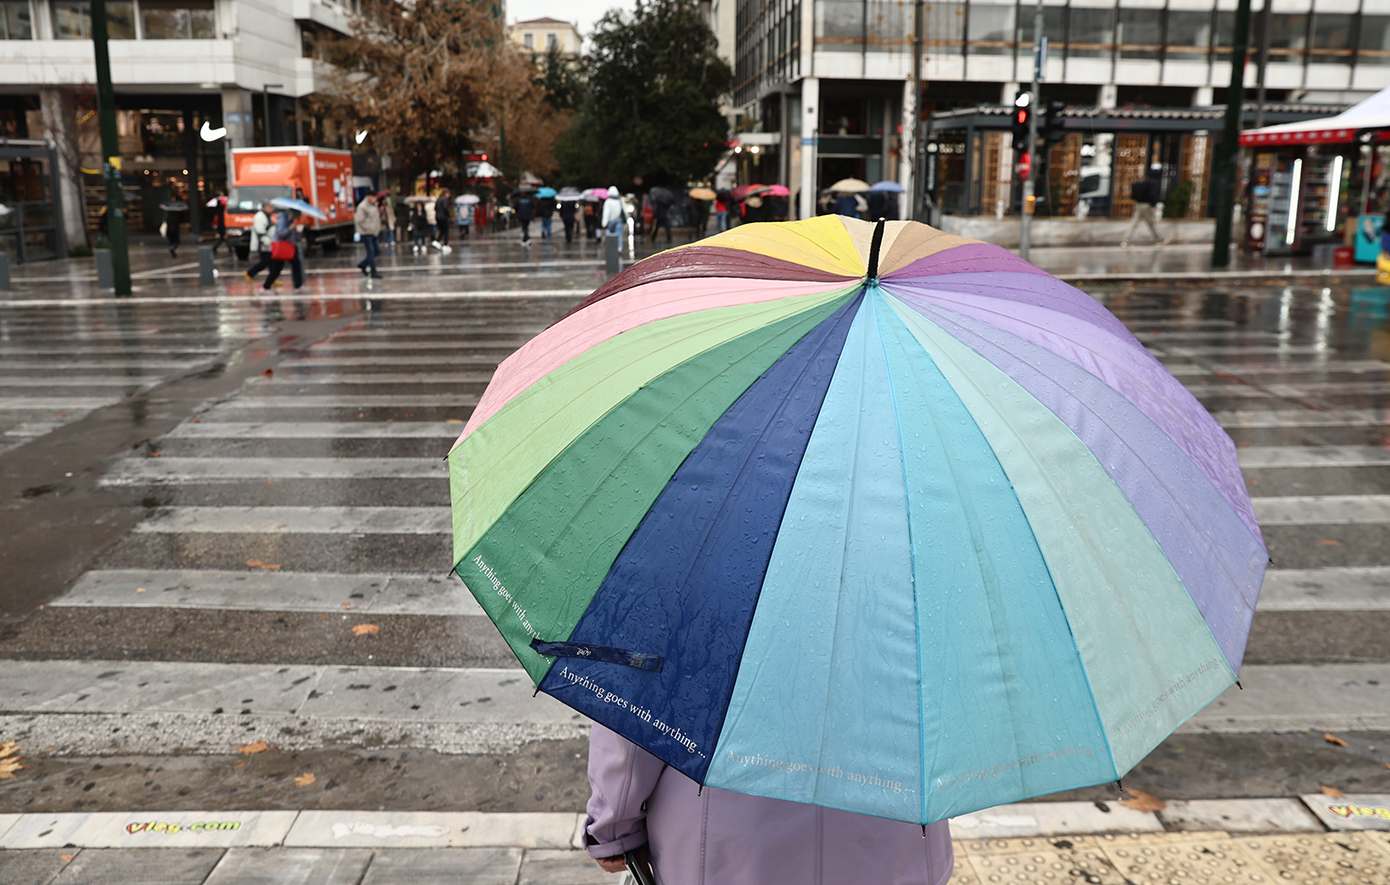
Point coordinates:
[[661, 195]]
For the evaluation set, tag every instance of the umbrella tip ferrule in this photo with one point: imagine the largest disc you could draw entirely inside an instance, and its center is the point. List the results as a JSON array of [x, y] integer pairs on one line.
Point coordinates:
[[873, 251], [924, 831]]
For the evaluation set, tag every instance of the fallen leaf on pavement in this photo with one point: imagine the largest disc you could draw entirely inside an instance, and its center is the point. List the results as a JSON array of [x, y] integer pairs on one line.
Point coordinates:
[[253, 747], [256, 563], [66, 857], [304, 780], [454, 421], [1329, 542], [1333, 739], [364, 629], [268, 372], [139, 589], [1143, 801], [9, 762], [241, 764], [1333, 792]]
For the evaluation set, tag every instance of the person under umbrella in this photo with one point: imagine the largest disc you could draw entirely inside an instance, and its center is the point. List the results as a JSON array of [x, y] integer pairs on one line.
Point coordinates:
[[442, 207], [284, 249], [219, 220], [567, 217], [614, 216], [173, 218], [525, 206], [661, 199]]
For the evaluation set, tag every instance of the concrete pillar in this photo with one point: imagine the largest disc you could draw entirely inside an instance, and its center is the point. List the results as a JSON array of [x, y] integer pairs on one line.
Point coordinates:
[[907, 147], [810, 136], [62, 131], [1202, 97], [1109, 96]]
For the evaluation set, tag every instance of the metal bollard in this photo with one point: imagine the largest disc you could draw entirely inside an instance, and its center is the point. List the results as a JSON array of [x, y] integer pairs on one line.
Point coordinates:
[[4, 271], [610, 255], [207, 273], [106, 275]]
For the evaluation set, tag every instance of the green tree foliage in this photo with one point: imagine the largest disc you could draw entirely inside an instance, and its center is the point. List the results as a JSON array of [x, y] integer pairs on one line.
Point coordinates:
[[562, 78], [652, 109]]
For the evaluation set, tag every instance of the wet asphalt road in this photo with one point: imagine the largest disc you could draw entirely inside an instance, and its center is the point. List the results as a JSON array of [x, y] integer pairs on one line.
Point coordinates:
[[174, 445]]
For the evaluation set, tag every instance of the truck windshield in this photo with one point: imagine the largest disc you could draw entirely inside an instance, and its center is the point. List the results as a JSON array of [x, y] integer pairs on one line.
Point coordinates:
[[251, 198]]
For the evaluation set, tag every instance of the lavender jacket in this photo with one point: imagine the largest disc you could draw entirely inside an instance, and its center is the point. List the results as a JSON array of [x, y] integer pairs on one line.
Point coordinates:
[[716, 837]]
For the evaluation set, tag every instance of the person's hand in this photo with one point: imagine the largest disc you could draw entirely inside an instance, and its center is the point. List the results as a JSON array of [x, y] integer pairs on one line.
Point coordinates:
[[614, 864]]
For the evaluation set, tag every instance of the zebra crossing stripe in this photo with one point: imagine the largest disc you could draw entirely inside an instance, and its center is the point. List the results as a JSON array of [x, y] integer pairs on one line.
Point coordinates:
[[300, 520], [298, 401], [1260, 457], [1347, 588], [1277, 418], [141, 471], [367, 593], [316, 430], [1322, 510]]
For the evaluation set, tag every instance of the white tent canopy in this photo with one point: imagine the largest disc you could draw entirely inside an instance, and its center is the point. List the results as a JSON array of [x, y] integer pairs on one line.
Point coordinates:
[[1373, 113]]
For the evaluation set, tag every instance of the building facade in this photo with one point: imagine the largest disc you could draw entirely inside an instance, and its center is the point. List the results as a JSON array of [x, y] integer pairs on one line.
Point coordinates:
[[540, 35], [193, 79], [826, 85]]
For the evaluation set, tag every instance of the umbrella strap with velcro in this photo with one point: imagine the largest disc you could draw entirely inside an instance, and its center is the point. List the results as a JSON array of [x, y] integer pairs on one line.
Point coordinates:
[[605, 653]]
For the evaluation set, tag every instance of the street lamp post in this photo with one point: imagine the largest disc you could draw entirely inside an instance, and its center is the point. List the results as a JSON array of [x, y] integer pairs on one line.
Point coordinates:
[[265, 106]]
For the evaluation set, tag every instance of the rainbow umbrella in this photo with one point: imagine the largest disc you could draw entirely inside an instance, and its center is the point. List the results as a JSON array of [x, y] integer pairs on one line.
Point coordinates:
[[871, 517]]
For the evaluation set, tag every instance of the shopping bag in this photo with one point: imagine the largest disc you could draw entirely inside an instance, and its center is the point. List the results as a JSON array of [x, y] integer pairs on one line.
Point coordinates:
[[282, 250]]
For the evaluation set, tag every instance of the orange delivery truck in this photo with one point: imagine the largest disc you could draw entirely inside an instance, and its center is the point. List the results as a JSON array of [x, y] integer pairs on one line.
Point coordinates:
[[321, 176]]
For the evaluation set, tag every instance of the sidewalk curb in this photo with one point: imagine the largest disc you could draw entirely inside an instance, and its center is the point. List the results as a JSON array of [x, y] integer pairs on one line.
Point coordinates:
[[563, 831]]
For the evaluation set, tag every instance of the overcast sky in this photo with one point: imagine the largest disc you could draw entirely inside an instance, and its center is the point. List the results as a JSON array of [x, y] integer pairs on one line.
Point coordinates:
[[583, 12]]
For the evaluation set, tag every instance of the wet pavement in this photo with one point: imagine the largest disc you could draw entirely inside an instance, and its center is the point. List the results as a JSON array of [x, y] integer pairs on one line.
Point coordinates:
[[208, 489]]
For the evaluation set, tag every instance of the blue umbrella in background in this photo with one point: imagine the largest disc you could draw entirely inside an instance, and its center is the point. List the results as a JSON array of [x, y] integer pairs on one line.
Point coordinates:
[[887, 187], [546, 192], [299, 206]]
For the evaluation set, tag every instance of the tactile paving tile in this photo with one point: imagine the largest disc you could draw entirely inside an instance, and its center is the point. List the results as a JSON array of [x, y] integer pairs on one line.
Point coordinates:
[[1324, 859], [1043, 862], [1378, 838], [963, 873], [1215, 859]]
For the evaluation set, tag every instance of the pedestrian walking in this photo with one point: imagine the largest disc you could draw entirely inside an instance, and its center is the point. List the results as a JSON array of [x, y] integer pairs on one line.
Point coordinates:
[[545, 211], [614, 217], [388, 218], [465, 217], [442, 218], [173, 219], [525, 206], [707, 836], [367, 222], [721, 213], [261, 225], [590, 220], [567, 218], [419, 228], [284, 249], [847, 205], [661, 217], [701, 217], [1148, 203], [219, 221], [432, 222]]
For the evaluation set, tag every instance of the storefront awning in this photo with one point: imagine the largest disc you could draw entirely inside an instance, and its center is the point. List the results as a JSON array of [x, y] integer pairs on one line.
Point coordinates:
[[1371, 114]]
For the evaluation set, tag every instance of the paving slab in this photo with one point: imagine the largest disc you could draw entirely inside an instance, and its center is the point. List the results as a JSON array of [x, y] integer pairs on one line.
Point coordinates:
[[164, 866], [152, 830], [34, 867], [464, 829], [1042, 818], [1346, 588], [1239, 815], [7, 821], [1205, 858], [445, 866], [1355, 811], [300, 520], [405, 693], [291, 866], [1300, 697], [551, 867], [1331, 858]]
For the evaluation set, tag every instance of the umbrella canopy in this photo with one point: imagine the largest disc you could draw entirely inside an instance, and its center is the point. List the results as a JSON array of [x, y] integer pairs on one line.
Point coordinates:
[[662, 195], [174, 206], [1343, 128], [702, 193], [216, 202], [598, 193], [465, 199], [778, 190], [887, 187], [569, 195], [486, 170], [546, 192], [850, 186], [417, 198], [743, 192], [299, 206], [868, 516]]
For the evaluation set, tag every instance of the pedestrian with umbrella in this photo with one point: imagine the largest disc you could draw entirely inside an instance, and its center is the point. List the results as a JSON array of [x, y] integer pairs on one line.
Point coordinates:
[[545, 209], [614, 217], [285, 248], [218, 204], [443, 206], [173, 219], [721, 212], [569, 205], [661, 198], [856, 516], [525, 206]]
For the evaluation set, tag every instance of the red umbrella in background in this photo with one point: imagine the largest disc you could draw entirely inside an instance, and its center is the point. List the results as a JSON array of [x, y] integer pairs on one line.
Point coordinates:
[[745, 191]]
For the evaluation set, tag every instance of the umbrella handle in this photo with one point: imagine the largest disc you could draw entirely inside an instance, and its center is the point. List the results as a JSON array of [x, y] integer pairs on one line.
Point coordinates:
[[640, 869]]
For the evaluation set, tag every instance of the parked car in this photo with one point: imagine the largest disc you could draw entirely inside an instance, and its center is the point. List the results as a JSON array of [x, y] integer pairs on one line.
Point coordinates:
[[1094, 195]]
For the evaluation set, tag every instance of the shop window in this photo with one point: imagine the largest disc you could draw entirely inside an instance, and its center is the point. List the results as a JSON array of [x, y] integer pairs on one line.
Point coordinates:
[[1054, 29], [1140, 33], [889, 23], [1092, 33], [991, 28], [1226, 30], [551, 42], [1373, 47], [842, 117], [16, 20], [178, 19], [72, 19], [1189, 35], [1288, 36], [528, 41], [840, 25]]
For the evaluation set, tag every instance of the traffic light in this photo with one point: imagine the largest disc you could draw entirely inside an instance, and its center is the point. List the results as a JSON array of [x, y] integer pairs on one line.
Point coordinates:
[[1053, 130], [1023, 112]]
